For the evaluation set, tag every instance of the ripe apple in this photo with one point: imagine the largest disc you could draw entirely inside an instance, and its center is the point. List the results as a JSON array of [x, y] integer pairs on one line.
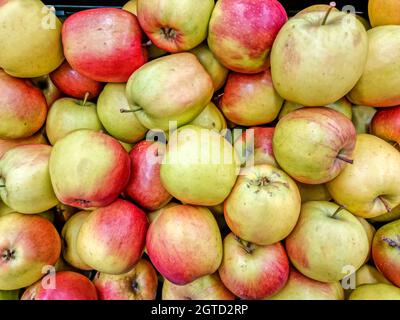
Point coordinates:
[[370, 232], [103, 44], [9, 294], [139, 283], [68, 286], [25, 184], [250, 99], [176, 243], [23, 106], [27, 244], [326, 239], [210, 118], [123, 126], [88, 169], [313, 192], [318, 57], [394, 214], [48, 88], [362, 117], [175, 25], [367, 274], [263, 198], [170, 88], [316, 7], [30, 47], [241, 33], [63, 213], [131, 6], [4, 209], [7, 144], [369, 187], [386, 125], [151, 216], [377, 291], [313, 145], [384, 12], [112, 238]]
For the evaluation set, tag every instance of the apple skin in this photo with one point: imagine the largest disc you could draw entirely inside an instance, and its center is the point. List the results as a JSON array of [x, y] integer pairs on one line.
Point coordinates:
[[362, 117], [173, 243], [69, 286], [316, 7], [384, 12], [263, 198], [210, 118], [7, 144], [144, 186], [377, 291], [331, 68], [386, 124], [9, 295], [250, 99], [370, 232], [92, 177], [388, 217], [74, 84], [35, 243], [120, 51], [241, 33], [313, 192], [308, 144], [321, 244], [48, 88], [139, 283], [131, 6], [380, 190], [367, 274], [253, 272], [23, 107]]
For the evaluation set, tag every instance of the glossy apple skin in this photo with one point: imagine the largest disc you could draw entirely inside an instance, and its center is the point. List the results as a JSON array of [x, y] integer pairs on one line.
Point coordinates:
[[23, 107], [49, 89], [384, 12], [253, 272], [386, 124], [68, 286], [74, 84], [7, 144], [241, 33], [104, 44], [36, 244], [140, 283]]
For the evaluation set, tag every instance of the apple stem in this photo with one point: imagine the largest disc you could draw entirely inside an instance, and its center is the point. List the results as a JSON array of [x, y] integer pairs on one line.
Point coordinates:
[[337, 211], [2, 186], [85, 98], [387, 206], [332, 5], [247, 246], [345, 159], [122, 110]]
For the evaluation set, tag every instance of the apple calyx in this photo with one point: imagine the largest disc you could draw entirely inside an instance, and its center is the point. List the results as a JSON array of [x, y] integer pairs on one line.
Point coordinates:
[[392, 243], [83, 202], [344, 158], [135, 286], [385, 203], [332, 5], [168, 33], [8, 255], [246, 245], [337, 211]]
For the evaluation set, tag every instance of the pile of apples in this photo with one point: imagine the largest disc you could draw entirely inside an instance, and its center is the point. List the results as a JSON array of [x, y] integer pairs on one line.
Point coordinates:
[[199, 150]]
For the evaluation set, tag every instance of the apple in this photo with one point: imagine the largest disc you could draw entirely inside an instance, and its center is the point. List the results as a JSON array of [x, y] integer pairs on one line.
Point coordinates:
[[362, 117], [263, 198], [7, 144], [103, 44], [370, 232], [68, 286], [139, 283], [153, 215], [386, 125], [313, 192], [210, 118], [379, 85], [48, 88], [112, 238], [369, 188], [167, 89], [175, 25], [4, 209], [318, 57], [199, 167], [313, 145], [367, 274], [88, 169], [9, 294], [384, 12], [30, 47], [131, 6], [241, 33], [63, 213], [123, 126], [127, 146], [23, 106], [377, 291], [176, 243], [394, 214], [326, 239], [316, 7], [250, 99], [27, 244]]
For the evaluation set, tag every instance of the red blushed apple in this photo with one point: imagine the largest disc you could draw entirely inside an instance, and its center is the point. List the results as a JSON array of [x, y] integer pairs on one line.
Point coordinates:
[[144, 186], [74, 84], [104, 44], [7, 144], [253, 272], [68, 285], [386, 124]]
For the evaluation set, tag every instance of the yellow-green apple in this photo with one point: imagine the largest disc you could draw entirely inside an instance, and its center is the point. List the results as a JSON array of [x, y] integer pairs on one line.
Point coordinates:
[[23, 107], [131, 6], [103, 44], [385, 251], [379, 85], [250, 99], [313, 192], [30, 47], [383, 12], [370, 232], [362, 117], [394, 214], [74, 84], [376, 166], [5, 209], [241, 33], [368, 274], [123, 126], [209, 287], [313, 145], [326, 239], [210, 118], [386, 125], [68, 286], [88, 169], [199, 167], [48, 88], [330, 70], [127, 146], [263, 198], [27, 244], [9, 294], [299, 287], [139, 283], [250, 271], [67, 115], [170, 88], [174, 243], [112, 238], [7, 144], [175, 25], [377, 291], [25, 184]]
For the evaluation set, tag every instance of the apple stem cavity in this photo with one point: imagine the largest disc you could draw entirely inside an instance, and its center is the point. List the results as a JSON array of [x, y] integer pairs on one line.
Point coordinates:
[[169, 33], [337, 211], [345, 159], [386, 204], [332, 5], [247, 246], [123, 110]]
